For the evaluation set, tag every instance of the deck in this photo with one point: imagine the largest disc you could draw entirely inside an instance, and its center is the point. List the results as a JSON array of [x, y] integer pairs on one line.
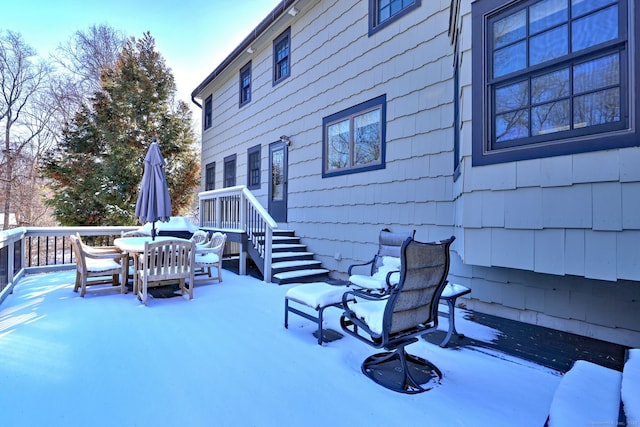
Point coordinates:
[[225, 358]]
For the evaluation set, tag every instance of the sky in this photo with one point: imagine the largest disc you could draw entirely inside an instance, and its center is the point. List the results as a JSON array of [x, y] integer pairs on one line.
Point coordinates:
[[194, 36], [225, 359]]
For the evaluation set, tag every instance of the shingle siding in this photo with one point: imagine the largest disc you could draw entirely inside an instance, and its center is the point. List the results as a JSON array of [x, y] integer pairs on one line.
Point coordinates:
[[543, 238]]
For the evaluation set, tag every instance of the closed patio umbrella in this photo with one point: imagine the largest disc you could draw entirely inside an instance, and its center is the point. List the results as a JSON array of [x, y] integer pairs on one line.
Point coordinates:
[[154, 203]]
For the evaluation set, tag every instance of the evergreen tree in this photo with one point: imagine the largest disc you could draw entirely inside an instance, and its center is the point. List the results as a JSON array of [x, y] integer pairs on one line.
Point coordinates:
[[97, 168]]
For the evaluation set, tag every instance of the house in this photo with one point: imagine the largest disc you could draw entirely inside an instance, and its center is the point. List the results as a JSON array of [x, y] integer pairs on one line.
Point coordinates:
[[510, 124]]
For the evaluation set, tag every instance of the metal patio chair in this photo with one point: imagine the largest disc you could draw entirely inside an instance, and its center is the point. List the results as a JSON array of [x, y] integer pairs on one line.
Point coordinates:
[[397, 319], [383, 268]]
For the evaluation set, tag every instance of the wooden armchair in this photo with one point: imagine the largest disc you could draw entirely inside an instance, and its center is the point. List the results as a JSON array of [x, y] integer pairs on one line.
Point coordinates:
[[164, 262], [210, 254], [395, 320], [93, 264]]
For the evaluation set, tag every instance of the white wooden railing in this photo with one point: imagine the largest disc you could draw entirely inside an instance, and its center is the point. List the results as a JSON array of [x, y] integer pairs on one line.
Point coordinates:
[[43, 249], [235, 209]]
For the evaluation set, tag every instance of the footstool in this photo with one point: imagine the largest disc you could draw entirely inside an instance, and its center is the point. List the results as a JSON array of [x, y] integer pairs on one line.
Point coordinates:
[[450, 293], [317, 296]]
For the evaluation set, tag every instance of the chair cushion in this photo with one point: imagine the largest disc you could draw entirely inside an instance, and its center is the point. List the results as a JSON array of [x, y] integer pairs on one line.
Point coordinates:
[[367, 282], [370, 312], [207, 259], [317, 294], [98, 265], [378, 280]]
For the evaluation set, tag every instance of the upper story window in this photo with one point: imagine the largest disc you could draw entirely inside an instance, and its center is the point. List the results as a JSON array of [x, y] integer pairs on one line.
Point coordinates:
[[208, 112], [354, 139], [210, 177], [282, 56], [245, 84], [230, 171], [554, 78], [253, 167], [383, 12]]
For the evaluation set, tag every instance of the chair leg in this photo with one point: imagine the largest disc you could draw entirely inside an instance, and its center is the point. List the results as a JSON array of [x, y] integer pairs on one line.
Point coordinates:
[[402, 372], [83, 286]]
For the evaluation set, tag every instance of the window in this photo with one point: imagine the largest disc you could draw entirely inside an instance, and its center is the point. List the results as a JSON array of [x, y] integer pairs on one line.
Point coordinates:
[[210, 177], [384, 12], [354, 139], [282, 57], [230, 171], [554, 78], [208, 112], [253, 167], [245, 84]]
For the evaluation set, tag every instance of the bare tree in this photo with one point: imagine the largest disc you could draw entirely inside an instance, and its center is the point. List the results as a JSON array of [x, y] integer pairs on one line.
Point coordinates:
[[82, 60], [23, 114]]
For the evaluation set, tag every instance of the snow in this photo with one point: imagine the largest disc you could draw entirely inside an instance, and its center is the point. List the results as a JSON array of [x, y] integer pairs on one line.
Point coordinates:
[[589, 394], [631, 386], [225, 359]]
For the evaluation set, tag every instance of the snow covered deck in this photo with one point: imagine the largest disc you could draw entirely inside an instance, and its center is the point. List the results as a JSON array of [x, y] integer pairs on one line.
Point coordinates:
[[225, 358]]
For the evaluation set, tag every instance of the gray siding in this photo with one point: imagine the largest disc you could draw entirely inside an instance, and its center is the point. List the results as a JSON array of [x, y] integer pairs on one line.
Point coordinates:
[[550, 241]]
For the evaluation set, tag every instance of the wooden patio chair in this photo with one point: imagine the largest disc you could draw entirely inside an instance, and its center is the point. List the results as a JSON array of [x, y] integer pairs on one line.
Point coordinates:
[[94, 264], [210, 254], [165, 262], [397, 319], [200, 237]]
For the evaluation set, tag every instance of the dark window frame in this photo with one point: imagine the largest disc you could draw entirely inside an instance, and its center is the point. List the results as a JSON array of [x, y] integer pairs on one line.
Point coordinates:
[[207, 121], [230, 171], [245, 85], [375, 24], [253, 172], [279, 76], [210, 176], [379, 102], [593, 138]]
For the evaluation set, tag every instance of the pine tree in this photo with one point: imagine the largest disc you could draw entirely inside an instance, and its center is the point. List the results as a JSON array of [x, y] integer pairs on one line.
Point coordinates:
[[97, 168]]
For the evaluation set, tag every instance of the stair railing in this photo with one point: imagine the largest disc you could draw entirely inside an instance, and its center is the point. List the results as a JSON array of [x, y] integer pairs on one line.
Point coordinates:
[[236, 209]]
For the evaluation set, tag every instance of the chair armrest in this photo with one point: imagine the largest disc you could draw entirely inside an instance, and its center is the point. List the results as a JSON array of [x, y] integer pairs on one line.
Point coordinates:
[[363, 294], [102, 249], [103, 255], [204, 251], [361, 265]]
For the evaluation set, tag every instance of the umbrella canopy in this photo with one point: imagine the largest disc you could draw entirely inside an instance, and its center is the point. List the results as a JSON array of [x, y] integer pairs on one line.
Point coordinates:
[[154, 203]]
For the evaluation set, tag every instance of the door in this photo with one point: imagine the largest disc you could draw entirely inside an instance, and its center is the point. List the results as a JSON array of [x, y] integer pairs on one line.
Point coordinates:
[[278, 181]]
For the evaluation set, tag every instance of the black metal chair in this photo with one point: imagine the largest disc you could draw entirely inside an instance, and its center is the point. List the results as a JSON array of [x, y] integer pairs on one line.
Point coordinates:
[[397, 319], [384, 266]]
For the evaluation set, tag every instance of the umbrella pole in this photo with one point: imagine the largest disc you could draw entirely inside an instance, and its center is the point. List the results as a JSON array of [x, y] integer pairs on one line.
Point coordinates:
[[153, 230]]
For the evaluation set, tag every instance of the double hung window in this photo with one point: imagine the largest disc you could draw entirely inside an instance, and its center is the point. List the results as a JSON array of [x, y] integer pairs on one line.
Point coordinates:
[[245, 84], [208, 112], [253, 167], [354, 139], [230, 171], [384, 12], [555, 77], [210, 177], [282, 56]]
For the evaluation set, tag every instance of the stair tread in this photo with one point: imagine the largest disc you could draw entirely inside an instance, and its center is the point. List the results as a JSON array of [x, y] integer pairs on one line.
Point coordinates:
[[276, 238], [300, 273], [287, 245], [289, 254], [284, 264]]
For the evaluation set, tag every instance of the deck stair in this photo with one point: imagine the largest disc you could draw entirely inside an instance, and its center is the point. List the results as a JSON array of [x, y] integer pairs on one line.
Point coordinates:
[[292, 262]]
